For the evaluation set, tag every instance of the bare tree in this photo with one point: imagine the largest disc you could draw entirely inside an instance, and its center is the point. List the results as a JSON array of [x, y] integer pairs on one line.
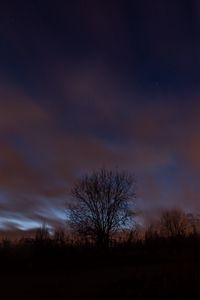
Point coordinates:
[[194, 221], [103, 203], [59, 236], [42, 234], [174, 223]]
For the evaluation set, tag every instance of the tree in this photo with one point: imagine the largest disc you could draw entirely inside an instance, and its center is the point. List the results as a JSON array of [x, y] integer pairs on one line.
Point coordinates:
[[42, 235], [194, 221], [174, 223], [102, 203]]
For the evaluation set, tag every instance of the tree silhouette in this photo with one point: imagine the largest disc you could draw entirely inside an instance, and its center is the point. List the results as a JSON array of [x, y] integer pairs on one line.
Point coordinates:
[[174, 223], [103, 203], [42, 235]]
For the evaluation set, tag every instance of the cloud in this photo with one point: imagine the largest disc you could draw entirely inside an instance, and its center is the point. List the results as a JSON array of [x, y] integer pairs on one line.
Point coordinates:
[[40, 160], [18, 112], [77, 103]]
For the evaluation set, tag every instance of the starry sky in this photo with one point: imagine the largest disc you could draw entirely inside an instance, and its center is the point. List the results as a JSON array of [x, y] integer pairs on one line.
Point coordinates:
[[86, 84]]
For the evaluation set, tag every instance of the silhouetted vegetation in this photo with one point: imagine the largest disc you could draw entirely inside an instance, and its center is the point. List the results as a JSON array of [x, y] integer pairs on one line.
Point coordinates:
[[137, 264], [104, 255], [103, 203]]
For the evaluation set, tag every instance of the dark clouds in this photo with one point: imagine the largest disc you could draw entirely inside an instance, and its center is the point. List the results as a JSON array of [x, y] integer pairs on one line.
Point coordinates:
[[85, 84]]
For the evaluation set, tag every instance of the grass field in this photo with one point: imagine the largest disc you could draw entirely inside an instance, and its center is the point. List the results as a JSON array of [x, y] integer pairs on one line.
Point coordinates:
[[154, 269], [171, 280]]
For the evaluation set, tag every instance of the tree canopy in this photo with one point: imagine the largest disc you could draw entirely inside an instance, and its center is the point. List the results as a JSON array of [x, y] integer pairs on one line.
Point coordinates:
[[103, 202]]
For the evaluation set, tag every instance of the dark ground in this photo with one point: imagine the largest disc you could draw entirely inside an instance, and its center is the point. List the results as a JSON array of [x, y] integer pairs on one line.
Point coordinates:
[[155, 272], [160, 281]]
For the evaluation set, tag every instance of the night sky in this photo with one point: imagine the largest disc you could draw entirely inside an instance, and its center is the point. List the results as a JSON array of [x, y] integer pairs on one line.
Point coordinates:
[[86, 84]]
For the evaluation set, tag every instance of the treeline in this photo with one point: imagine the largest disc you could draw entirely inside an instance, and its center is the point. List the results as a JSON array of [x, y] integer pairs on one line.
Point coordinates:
[[175, 236]]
